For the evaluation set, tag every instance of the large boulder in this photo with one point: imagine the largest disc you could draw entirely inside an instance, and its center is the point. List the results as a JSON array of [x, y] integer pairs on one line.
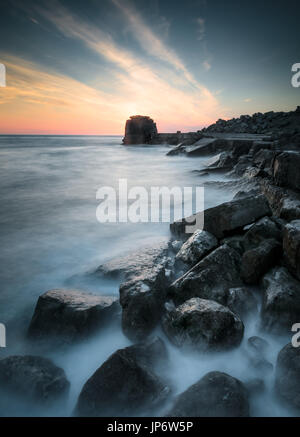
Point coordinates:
[[263, 229], [69, 315], [215, 395], [126, 383], [291, 247], [287, 380], [210, 278], [196, 247], [256, 262], [203, 325], [281, 301], [229, 217], [286, 170], [34, 378], [139, 129], [137, 262], [142, 296]]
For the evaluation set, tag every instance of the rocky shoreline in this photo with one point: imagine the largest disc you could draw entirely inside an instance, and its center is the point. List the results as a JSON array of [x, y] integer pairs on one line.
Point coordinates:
[[198, 289]]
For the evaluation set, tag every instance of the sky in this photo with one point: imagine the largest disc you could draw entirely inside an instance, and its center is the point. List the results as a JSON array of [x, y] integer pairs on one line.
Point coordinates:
[[83, 67]]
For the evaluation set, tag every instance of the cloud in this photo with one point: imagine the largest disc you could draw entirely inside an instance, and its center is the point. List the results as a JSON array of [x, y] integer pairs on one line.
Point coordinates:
[[46, 100], [206, 65]]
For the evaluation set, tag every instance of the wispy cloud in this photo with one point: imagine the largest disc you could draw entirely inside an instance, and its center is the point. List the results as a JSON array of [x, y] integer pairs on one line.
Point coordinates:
[[201, 28], [167, 91]]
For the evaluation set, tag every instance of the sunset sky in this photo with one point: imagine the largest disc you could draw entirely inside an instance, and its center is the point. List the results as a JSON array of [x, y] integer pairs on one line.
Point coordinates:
[[83, 67]]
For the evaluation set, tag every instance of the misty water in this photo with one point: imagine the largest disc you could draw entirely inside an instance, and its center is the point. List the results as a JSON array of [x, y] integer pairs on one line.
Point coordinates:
[[50, 238]]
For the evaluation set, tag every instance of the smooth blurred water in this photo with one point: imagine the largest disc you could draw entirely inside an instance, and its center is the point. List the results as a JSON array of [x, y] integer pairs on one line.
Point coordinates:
[[49, 238]]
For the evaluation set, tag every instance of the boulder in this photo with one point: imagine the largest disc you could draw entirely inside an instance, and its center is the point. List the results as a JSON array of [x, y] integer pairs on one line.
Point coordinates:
[[256, 262], [210, 278], [291, 247], [263, 229], [69, 315], [281, 301], [202, 147], [258, 344], [203, 325], [33, 378], [126, 383], [139, 129], [215, 395], [142, 298], [241, 301], [229, 217], [286, 170], [287, 375], [196, 247], [137, 262]]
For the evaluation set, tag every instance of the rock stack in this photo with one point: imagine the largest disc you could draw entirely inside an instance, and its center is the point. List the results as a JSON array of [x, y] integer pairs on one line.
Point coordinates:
[[139, 129]]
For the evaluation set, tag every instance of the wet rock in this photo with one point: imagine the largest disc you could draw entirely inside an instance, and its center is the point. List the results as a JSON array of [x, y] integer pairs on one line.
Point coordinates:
[[69, 315], [236, 242], [291, 247], [210, 278], [126, 383], [136, 263], [176, 246], [139, 130], [34, 378], [241, 301], [204, 146], [196, 247], [256, 262], [286, 170], [215, 395], [203, 325], [263, 229], [287, 379], [281, 301]]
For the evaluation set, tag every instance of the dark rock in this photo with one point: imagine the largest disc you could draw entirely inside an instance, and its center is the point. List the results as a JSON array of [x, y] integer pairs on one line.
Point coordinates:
[[287, 382], [210, 278], [136, 263], [196, 247], [203, 325], [263, 229], [215, 395], [281, 301], [286, 170], [139, 130], [241, 301], [261, 365], [34, 378], [291, 247], [69, 315], [125, 384], [223, 219], [256, 262], [205, 146]]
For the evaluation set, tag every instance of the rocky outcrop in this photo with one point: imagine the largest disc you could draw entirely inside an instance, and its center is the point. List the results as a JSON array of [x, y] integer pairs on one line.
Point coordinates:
[[139, 129], [286, 170], [281, 301], [287, 381], [69, 315], [34, 378], [126, 383], [223, 219], [196, 247], [215, 395], [291, 247], [203, 325], [256, 262], [210, 278]]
